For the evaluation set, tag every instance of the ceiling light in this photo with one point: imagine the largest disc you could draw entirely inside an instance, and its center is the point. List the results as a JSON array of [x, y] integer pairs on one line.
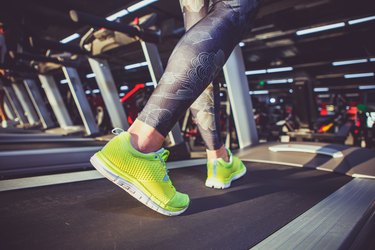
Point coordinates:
[[264, 71], [258, 92], [340, 63], [70, 38], [372, 59], [135, 65], [88, 92], [150, 84], [366, 87], [122, 94], [256, 72], [320, 28], [352, 94], [140, 5], [321, 89], [131, 8], [241, 44], [95, 91], [64, 81], [91, 75], [358, 75], [279, 81], [274, 70], [124, 88], [117, 15], [361, 20]]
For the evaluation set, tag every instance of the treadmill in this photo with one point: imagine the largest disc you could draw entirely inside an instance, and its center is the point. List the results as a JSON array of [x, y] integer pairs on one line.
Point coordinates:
[[28, 94], [22, 117], [42, 146], [73, 153], [294, 196], [287, 200]]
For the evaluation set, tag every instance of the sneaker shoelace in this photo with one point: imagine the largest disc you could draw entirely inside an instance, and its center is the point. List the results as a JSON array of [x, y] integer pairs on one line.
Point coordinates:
[[163, 154]]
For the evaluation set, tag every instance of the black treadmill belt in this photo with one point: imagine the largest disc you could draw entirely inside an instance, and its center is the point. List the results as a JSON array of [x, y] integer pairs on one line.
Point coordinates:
[[99, 215], [48, 145]]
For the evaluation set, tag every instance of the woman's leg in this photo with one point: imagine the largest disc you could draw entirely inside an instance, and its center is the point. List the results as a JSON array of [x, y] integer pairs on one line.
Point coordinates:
[[206, 108], [194, 63], [197, 58]]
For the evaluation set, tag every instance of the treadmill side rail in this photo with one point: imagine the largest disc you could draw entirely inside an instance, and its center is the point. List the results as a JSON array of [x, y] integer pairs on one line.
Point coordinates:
[[331, 224], [334, 153]]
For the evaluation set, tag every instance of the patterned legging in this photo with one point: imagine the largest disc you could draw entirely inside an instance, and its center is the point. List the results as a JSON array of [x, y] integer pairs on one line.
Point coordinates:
[[214, 28]]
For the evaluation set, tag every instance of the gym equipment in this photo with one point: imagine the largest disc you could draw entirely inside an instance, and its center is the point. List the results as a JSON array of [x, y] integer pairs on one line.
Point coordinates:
[[14, 104], [64, 62], [304, 123], [286, 199], [12, 77], [58, 149], [113, 36]]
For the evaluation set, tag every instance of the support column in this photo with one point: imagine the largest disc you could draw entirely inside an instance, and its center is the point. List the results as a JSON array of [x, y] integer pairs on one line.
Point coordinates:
[[80, 99], [109, 93], [26, 103], [8, 109], [56, 101], [40, 106], [16, 105], [238, 92]]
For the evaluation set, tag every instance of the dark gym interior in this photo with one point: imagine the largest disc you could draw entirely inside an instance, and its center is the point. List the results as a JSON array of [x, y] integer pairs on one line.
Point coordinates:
[[297, 105]]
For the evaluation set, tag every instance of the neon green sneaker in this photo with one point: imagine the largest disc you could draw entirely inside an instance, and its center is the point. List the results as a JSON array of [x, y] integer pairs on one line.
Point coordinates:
[[220, 173], [143, 176]]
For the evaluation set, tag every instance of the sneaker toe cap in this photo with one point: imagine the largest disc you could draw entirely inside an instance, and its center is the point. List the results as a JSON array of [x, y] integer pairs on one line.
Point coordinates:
[[179, 200]]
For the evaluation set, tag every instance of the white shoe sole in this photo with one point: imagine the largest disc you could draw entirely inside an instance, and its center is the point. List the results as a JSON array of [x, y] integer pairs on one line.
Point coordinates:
[[214, 183], [130, 188]]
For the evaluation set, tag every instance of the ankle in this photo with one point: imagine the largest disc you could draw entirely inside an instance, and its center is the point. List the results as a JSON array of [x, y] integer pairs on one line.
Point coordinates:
[[218, 153], [145, 138]]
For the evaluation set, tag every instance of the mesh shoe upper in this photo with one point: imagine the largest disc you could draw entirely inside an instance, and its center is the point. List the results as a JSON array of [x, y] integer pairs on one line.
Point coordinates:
[[147, 171]]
